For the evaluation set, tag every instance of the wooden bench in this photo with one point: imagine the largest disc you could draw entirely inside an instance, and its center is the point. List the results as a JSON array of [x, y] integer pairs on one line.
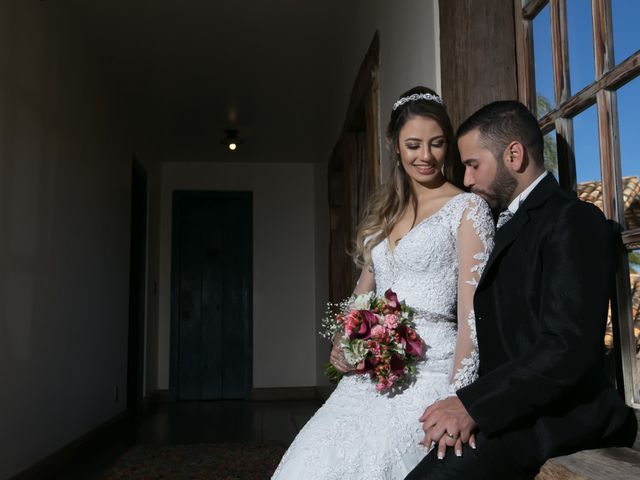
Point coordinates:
[[607, 463]]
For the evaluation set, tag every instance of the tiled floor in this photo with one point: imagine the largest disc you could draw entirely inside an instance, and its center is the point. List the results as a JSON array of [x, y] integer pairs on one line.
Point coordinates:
[[191, 422]]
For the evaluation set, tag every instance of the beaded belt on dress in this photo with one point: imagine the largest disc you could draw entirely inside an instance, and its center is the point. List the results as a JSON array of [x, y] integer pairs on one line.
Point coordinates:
[[432, 316]]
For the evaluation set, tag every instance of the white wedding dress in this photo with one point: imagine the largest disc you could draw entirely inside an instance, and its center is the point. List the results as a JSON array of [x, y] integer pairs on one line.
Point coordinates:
[[362, 434]]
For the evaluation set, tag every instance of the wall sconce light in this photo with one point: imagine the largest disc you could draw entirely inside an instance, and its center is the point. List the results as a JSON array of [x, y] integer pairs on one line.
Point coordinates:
[[231, 140]]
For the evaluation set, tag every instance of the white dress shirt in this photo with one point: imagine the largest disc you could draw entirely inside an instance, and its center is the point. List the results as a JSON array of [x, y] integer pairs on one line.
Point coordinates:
[[515, 204]]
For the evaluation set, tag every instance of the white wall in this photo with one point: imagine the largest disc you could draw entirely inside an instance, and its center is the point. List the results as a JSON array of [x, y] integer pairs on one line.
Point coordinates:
[[283, 263], [321, 212], [65, 174], [409, 48]]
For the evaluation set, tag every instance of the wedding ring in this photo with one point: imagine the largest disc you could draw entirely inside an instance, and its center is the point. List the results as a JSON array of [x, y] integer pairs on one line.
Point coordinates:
[[452, 437]]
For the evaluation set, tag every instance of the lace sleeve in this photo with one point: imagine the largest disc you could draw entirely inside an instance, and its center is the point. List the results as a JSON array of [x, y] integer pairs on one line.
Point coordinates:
[[474, 243], [366, 282]]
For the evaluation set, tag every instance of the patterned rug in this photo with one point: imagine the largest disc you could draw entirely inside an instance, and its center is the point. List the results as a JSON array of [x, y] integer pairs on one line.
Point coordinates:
[[219, 461]]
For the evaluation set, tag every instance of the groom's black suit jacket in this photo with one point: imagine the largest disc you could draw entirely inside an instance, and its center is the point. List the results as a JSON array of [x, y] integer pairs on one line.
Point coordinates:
[[541, 309]]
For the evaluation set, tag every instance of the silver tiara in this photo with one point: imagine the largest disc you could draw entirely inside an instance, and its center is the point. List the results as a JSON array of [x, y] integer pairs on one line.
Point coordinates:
[[418, 96]]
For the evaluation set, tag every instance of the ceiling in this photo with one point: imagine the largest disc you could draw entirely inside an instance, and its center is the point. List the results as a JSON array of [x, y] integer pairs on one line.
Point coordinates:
[[266, 67]]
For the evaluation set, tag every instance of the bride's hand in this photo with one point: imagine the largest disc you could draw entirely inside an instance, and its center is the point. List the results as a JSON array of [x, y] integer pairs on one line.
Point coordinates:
[[447, 423], [337, 359], [455, 443]]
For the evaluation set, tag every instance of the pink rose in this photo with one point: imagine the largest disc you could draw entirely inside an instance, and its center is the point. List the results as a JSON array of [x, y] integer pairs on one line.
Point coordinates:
[[374, 347], [352, 322], [383, 384], [391, 321], [378, 331]]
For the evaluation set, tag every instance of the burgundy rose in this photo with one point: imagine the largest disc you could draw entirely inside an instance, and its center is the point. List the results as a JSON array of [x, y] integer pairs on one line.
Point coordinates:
[[397, 365], [365, 366]]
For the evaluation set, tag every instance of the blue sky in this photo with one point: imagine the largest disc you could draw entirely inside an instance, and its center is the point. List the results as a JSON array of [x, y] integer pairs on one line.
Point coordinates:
[[626, 42]]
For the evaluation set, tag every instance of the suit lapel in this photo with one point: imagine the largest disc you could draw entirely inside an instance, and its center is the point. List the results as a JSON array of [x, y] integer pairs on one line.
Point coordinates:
[[511, 230]]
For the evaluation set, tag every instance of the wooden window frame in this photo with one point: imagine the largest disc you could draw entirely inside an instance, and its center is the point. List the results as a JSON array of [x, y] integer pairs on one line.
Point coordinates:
[[602, 92]]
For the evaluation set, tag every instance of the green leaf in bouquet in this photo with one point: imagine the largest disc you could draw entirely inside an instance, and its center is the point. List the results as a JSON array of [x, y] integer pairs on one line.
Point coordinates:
[[332, 373]]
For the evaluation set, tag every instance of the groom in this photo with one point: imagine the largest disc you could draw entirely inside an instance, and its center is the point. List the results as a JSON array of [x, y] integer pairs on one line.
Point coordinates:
[[540, 307]]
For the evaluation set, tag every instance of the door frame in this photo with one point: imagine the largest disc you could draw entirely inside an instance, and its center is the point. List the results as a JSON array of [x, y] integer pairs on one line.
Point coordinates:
[[362, 119], [175, 284], [137, 289]]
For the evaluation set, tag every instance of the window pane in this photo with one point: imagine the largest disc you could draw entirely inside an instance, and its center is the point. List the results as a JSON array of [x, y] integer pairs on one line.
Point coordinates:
[[551, 153], [626, 41], [543, 62], [581, 60], [628, 119], [586, 150]]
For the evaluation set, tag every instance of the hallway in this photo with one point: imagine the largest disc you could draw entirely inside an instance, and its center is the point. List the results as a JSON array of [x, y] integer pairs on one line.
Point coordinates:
[[188, 423]]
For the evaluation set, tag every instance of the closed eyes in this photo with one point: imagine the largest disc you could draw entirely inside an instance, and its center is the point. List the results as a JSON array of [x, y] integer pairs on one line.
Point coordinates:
[[433, 144]]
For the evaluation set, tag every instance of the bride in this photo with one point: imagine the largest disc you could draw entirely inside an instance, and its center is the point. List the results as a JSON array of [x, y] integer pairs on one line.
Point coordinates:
[[428, 241]]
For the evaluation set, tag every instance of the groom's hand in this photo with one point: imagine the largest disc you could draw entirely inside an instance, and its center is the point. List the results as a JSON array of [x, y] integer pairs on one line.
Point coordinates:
[[448, 424]]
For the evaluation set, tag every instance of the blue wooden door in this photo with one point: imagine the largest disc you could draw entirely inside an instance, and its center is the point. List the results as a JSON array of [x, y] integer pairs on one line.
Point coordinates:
[[211, 296]]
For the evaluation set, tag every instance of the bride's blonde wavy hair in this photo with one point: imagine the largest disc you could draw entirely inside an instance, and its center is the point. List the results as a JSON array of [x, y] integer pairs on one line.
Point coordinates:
[[391, 199]]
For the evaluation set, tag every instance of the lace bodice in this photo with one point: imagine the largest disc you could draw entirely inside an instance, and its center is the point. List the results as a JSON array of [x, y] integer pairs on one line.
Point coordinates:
[[361, 433], [434, 268]]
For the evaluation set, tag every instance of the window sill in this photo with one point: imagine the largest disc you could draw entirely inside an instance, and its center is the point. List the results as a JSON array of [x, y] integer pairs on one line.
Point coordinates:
[[618, 463]]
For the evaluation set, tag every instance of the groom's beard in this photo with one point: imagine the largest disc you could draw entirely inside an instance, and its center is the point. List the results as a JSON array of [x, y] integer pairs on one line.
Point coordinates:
[[499, 193]]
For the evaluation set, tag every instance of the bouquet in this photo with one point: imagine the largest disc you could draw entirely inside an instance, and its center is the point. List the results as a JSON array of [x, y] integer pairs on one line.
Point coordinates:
[[377, 336]]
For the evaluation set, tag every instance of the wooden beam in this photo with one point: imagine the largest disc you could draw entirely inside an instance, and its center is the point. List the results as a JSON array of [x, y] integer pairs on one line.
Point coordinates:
[[531, 8], [610, 156], [525, 58], [611, 80], [467, 27], [602, 36], [631, 239], [560, 50], [566, 158]]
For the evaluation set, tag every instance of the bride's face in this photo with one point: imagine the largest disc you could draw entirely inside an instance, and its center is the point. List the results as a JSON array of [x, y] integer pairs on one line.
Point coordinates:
[[422, 146]]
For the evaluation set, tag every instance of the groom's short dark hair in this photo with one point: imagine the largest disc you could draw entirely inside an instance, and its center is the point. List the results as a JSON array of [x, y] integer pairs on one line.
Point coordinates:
[[502, 122]]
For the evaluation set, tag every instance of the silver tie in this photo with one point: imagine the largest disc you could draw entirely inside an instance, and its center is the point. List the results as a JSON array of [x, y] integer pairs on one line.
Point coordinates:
[[503, 218]]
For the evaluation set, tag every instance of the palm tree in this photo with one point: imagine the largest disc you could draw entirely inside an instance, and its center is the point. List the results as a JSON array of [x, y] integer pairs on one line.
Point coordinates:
[[543, 106], [634, 262]]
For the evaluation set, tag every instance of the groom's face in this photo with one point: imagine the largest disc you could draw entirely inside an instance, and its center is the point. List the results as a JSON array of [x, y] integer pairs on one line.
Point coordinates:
[[485, 174]]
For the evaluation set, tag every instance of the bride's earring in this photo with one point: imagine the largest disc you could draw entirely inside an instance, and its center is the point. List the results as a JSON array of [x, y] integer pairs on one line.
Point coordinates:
[[398, 163]]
